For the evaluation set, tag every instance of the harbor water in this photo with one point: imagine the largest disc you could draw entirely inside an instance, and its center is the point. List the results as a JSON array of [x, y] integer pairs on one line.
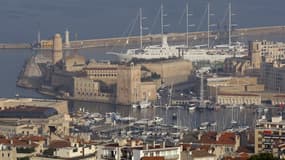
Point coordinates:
[[84, 20]]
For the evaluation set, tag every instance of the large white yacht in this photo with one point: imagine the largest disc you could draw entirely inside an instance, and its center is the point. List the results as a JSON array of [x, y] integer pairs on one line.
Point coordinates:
[[192, 53], [163, 51]]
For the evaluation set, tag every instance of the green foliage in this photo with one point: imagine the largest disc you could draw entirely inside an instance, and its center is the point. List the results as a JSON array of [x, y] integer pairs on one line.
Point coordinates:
[[48, 152], [155, 75], [263, 156], [25, 150], [24, 158]]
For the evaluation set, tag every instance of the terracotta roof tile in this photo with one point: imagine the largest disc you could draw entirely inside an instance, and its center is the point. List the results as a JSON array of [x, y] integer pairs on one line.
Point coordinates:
[[59, 144], [152, 158]]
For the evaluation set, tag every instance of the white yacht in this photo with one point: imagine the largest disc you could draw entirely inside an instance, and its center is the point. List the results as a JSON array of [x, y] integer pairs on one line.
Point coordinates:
[[157, 119], [163, 51], [142, 105]]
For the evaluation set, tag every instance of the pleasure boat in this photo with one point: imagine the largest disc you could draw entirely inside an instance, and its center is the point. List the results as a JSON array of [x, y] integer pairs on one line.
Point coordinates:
[[192, 108], [157, 119], [163, 51], [142, 105]]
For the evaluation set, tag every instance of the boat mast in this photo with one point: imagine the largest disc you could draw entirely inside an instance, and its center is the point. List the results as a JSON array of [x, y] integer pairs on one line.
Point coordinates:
[[202, 90], [162, 15], [230, 23], [39, 37], [187, 25], [161, 20], [208, 24], [141, 27]]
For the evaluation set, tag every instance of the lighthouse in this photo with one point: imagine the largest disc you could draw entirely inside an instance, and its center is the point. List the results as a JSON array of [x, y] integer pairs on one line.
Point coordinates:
[[67, 42]]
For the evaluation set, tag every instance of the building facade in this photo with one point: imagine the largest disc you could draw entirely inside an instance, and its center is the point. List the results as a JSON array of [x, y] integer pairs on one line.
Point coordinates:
[[234, 89], [129, 84], [259, 52], [273, 76], [269, 135], [239, 99], [105, 72]]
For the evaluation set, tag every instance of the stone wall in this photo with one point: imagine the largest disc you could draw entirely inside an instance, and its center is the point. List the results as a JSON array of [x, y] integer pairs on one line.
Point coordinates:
[[148, 91], [128, 84], [171, 71]]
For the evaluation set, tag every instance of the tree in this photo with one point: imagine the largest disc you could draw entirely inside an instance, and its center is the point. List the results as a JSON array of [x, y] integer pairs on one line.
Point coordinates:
[[263, 156]]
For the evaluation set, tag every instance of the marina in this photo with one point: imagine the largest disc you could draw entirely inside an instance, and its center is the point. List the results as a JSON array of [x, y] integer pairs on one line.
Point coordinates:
[[158, 124]]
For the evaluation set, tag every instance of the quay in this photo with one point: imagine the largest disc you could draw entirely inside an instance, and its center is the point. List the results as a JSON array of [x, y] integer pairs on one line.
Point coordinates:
[[15, 46], [155, 38], [172, 37]]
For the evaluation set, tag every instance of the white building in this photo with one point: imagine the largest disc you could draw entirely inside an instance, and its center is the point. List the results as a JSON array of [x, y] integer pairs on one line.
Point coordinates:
[[75, 151], [173, 153]]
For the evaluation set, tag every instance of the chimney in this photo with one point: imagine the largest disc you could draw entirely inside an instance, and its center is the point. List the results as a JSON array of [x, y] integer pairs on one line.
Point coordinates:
[[153, 144], [30, 141], [218, 136], [199, 136], [146, 146], [163, 144], [11, 141]]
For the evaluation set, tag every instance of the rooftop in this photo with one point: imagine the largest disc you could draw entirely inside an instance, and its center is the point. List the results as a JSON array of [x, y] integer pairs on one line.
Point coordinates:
[[23, 111], [224, 138]]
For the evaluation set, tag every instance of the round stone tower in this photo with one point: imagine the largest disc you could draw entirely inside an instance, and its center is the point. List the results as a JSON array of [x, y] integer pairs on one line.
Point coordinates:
[[57, 54]]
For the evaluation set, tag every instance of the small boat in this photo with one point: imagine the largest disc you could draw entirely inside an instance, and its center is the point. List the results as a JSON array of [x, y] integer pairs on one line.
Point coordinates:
[[192, 108], [174, 116], [202, 127], [233, 122], [157, 119], [142, 105], [265, 110], [214, 123], [127, 119], [205, 123]]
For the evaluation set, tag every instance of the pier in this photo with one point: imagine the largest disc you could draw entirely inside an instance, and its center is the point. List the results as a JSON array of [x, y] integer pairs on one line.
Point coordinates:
[[15, 46], [173, 37], [156, 38]]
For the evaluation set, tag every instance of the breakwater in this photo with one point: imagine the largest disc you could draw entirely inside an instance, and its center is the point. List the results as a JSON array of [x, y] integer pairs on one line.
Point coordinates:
[[15, 45], [174, 37], [156, 38]]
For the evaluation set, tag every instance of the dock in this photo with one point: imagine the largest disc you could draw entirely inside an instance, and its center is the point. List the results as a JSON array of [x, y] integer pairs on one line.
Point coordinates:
[[15, 46], [156, 38]]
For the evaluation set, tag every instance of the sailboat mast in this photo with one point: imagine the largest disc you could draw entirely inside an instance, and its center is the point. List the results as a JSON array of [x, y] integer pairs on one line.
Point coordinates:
[[141, 27], [202, 90], [161, 19], [230, 23], [39, 36], [187, 25], [209, 24]]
